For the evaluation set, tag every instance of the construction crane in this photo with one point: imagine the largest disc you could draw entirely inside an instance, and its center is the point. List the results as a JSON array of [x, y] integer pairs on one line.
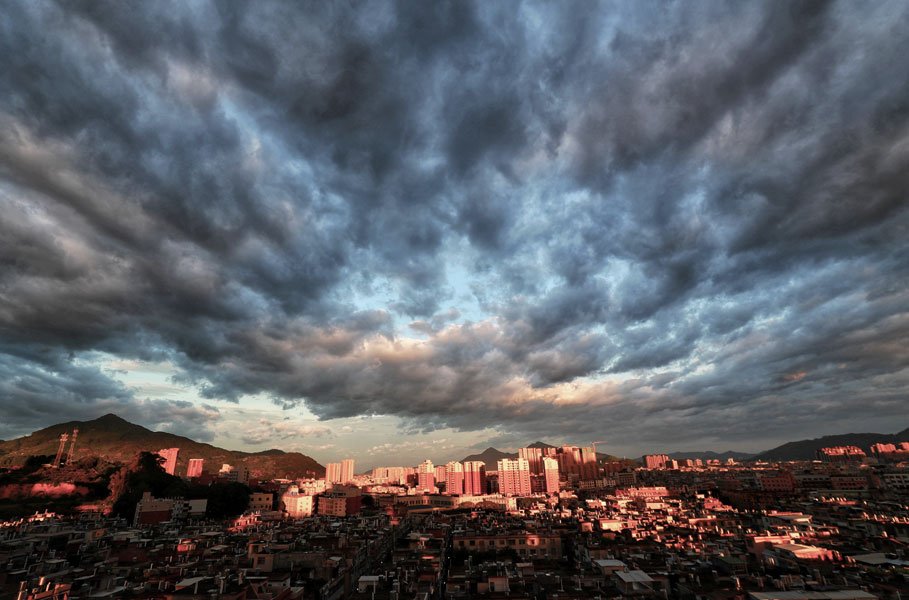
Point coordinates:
[[63, 438], [72, 447]]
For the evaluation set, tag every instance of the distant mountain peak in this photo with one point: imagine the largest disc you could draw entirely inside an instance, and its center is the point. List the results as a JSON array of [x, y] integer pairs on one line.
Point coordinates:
[[490, 456], [539, 445], [112, 421], [117, 440], [269, 452], [110, 417]]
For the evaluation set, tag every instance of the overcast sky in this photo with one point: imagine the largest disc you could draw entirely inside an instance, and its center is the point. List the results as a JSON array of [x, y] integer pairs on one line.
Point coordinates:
[[414, 230]]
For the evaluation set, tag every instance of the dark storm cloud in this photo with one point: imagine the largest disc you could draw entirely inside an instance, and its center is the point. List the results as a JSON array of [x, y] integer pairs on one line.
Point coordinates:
[[39, 386], [687, 217]]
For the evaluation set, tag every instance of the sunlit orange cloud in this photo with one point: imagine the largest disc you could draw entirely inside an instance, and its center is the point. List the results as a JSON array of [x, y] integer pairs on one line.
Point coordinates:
[[794, 376]]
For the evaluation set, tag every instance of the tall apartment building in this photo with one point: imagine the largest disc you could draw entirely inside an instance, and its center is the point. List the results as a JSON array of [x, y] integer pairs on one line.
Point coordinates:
[[475, 478], [569, 458], [514, 476], [589, 467], [426, 477], [550, 474], [333, 473], [454, 480], [534, 457], [392, 474], [579, 461], [194, 468], [347, 470], [170, 459], [655, 461]]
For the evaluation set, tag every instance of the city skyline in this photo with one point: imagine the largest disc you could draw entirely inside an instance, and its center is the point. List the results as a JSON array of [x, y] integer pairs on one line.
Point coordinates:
[[339, 464], [431, 229]]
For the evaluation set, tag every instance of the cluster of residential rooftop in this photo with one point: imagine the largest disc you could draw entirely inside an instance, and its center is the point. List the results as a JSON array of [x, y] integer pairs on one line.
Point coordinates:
[[688, 530]]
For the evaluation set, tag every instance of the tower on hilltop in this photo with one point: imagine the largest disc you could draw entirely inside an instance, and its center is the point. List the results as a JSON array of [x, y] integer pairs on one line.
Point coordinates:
[[72, 446], [63, 438]]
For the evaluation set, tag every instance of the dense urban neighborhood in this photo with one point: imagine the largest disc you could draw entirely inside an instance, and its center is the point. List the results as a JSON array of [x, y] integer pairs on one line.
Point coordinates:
[[553, 523]]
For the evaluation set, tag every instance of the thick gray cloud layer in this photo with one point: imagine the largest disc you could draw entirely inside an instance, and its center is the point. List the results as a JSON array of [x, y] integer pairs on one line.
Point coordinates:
[[646, 221]]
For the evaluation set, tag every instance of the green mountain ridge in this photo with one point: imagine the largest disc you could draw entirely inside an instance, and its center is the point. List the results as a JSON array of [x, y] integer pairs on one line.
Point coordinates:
[[117, 440]]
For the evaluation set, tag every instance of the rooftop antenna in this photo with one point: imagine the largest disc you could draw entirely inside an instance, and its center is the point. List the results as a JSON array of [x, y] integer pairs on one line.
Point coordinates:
[[63, 438], [72, 447]]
